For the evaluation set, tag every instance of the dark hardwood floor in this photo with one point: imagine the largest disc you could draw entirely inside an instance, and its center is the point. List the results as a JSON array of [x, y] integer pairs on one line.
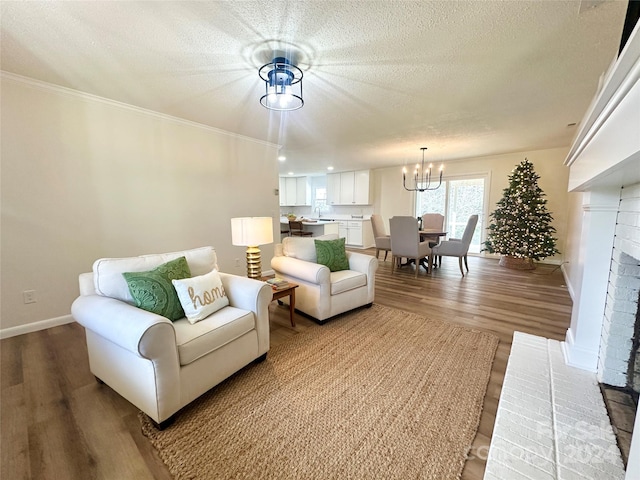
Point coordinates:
[[57, 422]]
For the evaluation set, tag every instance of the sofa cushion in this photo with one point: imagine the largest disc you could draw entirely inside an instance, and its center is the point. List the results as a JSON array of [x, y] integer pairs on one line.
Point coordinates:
[[332, 254], [304, 248], [201, 296], [153, 291], [346, 280], [224, 326], [107, 272]]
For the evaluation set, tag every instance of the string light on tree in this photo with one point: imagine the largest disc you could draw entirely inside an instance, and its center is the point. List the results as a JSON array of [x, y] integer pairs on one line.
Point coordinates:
[[521, 229]]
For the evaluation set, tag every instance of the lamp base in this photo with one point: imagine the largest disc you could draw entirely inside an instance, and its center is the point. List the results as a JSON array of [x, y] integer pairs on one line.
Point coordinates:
[[254, 263]]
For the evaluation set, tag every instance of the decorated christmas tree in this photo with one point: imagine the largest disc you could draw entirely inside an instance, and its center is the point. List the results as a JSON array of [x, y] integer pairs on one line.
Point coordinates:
[[520, 228]]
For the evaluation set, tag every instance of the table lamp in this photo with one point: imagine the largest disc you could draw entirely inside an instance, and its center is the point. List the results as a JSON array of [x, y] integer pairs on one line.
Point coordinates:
[[251, 232]]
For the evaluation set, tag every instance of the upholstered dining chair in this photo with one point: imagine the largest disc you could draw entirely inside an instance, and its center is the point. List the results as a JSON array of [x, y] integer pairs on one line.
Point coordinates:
[[296, 229], [405, 242], [433, 221], [382, 240], [457, 247]]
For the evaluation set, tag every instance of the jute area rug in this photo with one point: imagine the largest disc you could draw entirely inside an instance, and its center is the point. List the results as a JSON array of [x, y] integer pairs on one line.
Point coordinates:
[[379, 393]]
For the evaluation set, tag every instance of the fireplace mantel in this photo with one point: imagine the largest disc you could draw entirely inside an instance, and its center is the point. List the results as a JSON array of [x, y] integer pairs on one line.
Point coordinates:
[[604, 157], [606, 150]]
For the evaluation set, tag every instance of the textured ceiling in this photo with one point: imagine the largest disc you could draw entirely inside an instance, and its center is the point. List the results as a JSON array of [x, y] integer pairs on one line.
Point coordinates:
[[381, 78]]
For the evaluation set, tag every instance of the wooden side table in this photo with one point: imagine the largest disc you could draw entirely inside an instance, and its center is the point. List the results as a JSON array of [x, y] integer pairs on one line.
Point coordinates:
[[289, 291]]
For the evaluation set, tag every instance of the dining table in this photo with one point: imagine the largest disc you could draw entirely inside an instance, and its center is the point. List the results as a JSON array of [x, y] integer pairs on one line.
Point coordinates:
[[431, 233]]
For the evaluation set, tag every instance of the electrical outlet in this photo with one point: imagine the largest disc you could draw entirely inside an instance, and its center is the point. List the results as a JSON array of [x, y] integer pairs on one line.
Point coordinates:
[[29, 296], [237, 262]]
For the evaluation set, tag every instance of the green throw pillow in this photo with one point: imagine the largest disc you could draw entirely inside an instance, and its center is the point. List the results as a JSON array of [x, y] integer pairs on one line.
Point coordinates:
[[153, 290], [332, 254]]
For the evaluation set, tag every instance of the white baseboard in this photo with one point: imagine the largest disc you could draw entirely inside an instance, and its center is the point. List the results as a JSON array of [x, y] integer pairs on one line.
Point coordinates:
[[578, 357], [567, 282], [35, 326]]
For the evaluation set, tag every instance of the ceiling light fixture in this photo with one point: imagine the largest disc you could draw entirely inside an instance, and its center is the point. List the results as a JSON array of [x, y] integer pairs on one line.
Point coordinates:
[[282, 158], [282, 84], [421, 177]]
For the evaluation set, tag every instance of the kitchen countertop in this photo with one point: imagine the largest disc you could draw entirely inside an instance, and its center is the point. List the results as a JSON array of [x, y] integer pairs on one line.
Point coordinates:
[[325, 221], [313, 222]]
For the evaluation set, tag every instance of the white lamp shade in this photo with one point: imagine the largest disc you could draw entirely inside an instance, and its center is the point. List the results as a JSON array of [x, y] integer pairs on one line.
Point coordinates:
[[251, 231]]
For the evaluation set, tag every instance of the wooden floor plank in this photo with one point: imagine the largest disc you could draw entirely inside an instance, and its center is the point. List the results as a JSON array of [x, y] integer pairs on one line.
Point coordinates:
[[57, 422], [14, 451]]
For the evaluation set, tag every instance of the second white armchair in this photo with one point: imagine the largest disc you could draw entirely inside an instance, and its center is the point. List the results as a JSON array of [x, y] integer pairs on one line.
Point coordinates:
[[323, 293]]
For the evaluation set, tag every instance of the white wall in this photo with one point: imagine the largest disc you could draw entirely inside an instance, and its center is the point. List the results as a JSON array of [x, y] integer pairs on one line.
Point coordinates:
[[575, 263], [84, 178], [392, 199]]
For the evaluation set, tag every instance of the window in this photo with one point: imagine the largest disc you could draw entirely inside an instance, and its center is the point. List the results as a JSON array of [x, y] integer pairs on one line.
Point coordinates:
[[320, 198], [457, 200], [319, 194]]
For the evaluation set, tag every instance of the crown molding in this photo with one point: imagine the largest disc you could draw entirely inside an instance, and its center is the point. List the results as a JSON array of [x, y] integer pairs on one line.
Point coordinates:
[[125, 106]]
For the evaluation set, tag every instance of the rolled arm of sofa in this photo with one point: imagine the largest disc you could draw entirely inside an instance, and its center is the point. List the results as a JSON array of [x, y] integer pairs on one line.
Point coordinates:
[[253, 295], [247, 293], [362, 263], [124, 324], [296, 268]]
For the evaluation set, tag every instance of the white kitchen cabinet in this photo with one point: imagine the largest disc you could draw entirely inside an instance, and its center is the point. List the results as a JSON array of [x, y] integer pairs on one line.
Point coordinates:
[[291, 191], [342, 231], [362, 187], [303, 192], [355, 232], [349, 188], [333, 188], [294, 191]]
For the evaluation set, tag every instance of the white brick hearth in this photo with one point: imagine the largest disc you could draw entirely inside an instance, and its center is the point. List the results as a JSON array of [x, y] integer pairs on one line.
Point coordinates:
[[552, 422]]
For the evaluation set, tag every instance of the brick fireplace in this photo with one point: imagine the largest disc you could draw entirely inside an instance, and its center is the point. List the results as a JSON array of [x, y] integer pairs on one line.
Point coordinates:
[[617, 361]]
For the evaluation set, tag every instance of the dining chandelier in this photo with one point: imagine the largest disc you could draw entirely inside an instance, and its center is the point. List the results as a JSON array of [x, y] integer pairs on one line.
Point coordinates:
[[421, 177], [282, 84]]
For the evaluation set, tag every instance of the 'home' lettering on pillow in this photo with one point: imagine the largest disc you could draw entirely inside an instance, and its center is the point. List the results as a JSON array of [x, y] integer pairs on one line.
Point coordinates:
[[207, 297]]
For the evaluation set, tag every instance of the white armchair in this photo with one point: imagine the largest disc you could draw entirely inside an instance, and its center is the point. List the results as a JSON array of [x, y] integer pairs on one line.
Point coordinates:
[[323, 294], [158, 365]]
